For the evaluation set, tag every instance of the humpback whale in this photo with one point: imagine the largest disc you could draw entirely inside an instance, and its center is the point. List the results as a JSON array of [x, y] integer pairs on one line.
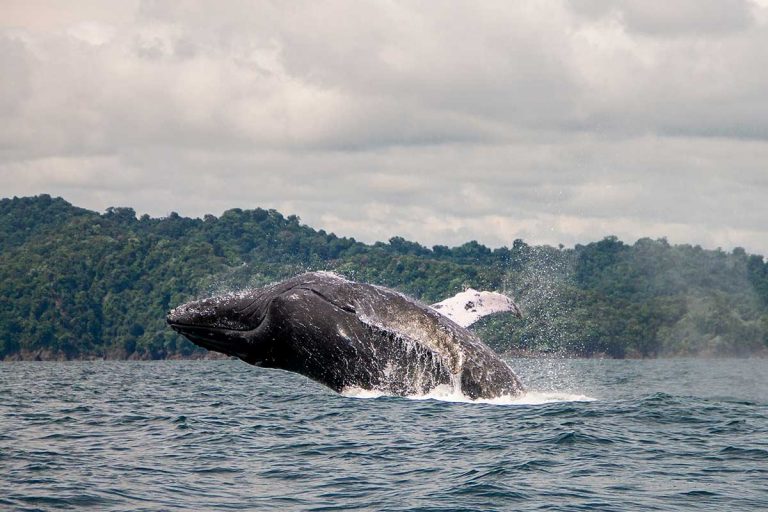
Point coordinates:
[[345, 334]]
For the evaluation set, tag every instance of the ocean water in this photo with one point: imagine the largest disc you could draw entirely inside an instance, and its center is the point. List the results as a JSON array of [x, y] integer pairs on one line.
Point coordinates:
[[221, 435]]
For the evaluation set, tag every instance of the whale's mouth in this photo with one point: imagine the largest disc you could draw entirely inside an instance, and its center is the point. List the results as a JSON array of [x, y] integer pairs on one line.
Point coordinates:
[[214, 330], [232, 342]]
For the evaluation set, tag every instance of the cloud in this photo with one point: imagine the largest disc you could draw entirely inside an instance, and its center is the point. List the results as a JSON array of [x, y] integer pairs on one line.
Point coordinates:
[[671, 19], [545, 120]]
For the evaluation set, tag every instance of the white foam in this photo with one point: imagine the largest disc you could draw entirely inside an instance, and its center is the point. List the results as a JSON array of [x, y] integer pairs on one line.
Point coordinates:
[[355, 392], [449, 394]]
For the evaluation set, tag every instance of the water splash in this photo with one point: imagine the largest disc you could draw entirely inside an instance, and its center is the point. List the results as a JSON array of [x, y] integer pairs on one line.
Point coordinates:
[[539, 289], [446, 393]]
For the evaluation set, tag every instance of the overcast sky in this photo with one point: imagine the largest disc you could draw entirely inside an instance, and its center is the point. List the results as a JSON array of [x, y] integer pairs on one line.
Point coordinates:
[[443, 122]]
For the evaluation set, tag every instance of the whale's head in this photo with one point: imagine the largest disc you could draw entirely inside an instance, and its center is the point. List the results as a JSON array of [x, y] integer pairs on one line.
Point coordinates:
[[229, 323], [255, 325]]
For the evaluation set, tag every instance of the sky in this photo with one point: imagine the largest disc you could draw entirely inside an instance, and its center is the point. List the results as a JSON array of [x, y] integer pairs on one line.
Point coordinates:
[[558, 122]]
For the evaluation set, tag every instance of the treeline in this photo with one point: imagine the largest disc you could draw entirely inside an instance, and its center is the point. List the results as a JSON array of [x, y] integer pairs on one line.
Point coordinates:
[[79, 284]]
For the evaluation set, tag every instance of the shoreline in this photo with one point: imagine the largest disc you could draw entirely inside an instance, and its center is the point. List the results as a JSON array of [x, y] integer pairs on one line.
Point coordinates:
[[214, 356]]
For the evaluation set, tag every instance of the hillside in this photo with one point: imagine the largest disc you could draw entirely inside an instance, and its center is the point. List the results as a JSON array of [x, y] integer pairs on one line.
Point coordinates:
[[79, 284]]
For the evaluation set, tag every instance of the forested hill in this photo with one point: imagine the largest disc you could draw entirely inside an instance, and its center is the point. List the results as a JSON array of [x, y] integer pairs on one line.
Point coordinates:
[[79, 284]]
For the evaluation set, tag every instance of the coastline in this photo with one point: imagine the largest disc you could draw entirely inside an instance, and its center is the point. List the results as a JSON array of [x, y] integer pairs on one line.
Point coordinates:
[[46, 356]]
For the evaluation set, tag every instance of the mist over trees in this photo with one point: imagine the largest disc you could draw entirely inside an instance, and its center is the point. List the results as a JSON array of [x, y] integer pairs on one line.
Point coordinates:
[[79, 284]]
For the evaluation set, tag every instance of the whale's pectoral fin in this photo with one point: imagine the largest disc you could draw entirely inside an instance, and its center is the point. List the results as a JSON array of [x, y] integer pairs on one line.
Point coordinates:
[[469, 306]]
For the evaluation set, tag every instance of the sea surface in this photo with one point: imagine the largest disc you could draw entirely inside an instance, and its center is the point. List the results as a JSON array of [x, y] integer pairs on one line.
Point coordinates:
[[221, 435]]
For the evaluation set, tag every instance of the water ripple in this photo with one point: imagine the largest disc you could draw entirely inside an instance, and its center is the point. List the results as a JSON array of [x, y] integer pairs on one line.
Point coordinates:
[[219, 435]]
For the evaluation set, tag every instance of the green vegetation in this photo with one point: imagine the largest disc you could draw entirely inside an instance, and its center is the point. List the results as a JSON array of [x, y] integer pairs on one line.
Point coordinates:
[[78, 284]]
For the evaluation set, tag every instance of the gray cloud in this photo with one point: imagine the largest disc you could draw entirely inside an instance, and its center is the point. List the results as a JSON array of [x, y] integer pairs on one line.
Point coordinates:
[[551, 121], [673, 18]]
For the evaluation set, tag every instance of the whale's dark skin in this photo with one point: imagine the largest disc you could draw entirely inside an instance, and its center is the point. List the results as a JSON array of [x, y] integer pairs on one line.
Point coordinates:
[[346, 334]]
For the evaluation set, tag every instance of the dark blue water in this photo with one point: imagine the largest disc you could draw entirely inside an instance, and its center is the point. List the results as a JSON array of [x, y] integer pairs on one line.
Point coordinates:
[[218, 435]]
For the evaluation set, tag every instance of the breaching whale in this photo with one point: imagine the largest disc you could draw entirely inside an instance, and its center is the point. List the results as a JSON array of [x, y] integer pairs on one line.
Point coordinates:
[[347, 335]]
